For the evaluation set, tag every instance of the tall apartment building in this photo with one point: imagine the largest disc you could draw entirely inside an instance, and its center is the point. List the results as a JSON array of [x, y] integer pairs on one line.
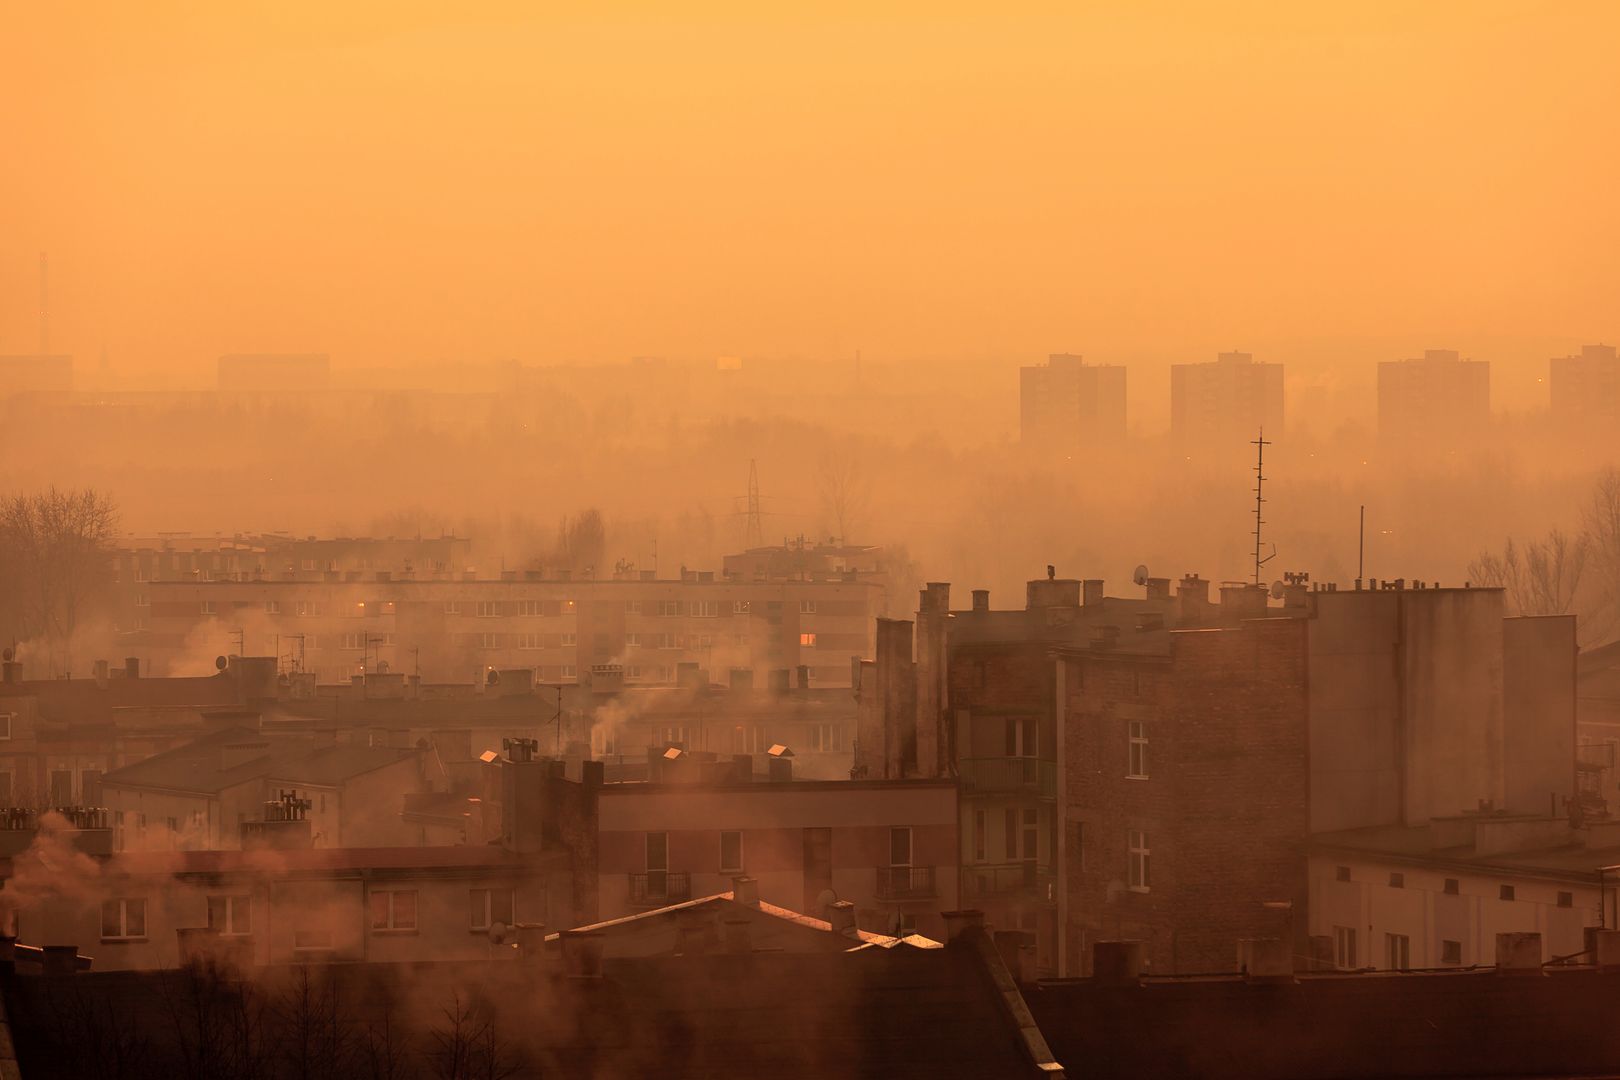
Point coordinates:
[[1585, 389], [1226, 401], [1438, 398], [1066, 403]]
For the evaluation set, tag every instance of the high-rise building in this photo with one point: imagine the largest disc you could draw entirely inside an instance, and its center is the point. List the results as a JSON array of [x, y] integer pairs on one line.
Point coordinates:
[[1066, 403], [1440, 396], [1227, 400], [35, 374], [1586, 388]]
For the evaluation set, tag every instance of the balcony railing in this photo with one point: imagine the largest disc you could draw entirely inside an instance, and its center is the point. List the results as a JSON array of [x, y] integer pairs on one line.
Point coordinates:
[[1010, 775], [655, 888], [906, 883], [1029, 880]]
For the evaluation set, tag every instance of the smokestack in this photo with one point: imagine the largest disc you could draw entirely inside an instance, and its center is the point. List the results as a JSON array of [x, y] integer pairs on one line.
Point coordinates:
[[132, 667], [745, 890], [981, 599]]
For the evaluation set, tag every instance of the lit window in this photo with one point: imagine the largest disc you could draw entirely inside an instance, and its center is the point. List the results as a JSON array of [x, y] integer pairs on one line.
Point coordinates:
[[393, 910], [807, 607], [486, 907], [807, 641], [741, 607], [123, 919], [1138, 765], [1136, 843]]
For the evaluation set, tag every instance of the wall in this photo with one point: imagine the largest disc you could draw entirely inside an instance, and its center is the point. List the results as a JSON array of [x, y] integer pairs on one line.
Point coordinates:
[[1538, 688]]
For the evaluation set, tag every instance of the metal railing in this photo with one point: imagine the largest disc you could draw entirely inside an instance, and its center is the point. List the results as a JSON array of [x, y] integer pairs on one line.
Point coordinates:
[[1029, 775], [906, 883], [1027, 879], [655, 888]]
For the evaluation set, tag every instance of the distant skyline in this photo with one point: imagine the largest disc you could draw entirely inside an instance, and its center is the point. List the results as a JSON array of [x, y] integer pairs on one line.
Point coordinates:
[[1325, 185]]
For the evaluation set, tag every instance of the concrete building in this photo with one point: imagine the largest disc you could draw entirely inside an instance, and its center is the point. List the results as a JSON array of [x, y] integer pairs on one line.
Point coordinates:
[[1066, 404], [1225, 403], [889, 848], [457, 626], [1435, 401], [1584, 390], [274, 373]]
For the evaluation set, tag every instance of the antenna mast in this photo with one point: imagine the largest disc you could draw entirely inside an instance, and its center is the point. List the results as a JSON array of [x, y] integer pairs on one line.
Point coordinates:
[[755, 525], [1260, 445]]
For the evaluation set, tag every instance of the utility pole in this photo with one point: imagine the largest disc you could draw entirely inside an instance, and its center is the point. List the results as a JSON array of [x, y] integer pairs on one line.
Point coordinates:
[[1361, 547], [1260, 445], [755, 536]]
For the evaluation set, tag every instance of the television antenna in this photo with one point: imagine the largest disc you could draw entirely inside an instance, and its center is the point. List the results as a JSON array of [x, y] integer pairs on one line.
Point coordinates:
[[1260, 445]]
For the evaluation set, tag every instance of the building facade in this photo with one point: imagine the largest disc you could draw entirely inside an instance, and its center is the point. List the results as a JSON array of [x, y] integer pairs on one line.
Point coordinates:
[[1436, 400], [1066, 403], [1221, 401]]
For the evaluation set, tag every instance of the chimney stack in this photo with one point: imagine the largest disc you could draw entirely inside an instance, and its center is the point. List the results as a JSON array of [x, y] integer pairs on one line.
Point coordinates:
[[981, 600], [1518, 954], [1116, 962], [745, 890], [132, 667], [959, 922], [1091, 591], [841, 914]]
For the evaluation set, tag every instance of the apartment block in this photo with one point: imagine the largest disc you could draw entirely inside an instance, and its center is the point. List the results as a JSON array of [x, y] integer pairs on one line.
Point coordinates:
[[1436, 400], [1584, 389], [1066, 404], [1223, 404]]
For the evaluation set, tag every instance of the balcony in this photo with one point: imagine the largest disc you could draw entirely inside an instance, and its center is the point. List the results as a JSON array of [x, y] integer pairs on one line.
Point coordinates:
[[1017, 880], [657, 888], [1009, 776], [906, 883]]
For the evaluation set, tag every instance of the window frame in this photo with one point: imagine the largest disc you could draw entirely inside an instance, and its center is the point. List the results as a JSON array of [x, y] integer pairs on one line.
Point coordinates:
[[1136, 760], [229, 903], [392, 923], [736, 867], [125, 905], [483, 903]]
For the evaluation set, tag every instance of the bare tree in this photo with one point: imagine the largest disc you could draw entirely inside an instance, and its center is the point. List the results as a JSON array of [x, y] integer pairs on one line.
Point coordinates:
[[315, 1038], [582, 541], [1542, 579], [384, 1050], [1602, 524], [842, 484], [55, 561], [468, 1046]]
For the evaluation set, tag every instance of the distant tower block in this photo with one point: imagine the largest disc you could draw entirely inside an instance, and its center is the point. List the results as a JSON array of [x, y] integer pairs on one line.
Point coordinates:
[[1066, 404]]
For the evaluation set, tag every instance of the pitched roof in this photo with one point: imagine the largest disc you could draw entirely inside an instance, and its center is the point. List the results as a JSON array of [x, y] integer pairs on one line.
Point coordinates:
[[204, 766]]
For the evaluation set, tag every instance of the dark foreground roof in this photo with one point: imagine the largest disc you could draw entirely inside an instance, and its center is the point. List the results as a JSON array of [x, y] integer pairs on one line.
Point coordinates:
[[874, 1012]]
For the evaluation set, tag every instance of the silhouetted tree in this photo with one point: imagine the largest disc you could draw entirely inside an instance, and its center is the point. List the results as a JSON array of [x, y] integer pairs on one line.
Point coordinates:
[[55, 563]]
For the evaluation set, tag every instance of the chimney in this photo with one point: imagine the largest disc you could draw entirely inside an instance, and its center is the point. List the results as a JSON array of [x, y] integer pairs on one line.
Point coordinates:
[[12, 669], [958, 922], [781, 769], [132, 667], [1091, 591], [60, 959], [1518, 954], [1116, 963], [1193, 595], [981, 600], [841, 913], [1158, 588], [1051, 593], [1240, 601], [742, 678], [582, 953], [101, 674], [745, 890]]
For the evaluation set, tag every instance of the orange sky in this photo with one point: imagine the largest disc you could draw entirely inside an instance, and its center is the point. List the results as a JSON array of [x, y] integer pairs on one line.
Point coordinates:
[[1319, 183]]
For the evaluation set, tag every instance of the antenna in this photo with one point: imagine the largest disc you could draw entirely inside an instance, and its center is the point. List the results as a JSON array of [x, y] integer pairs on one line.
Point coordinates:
[[754, 534], [1260, 445], [1361, 547]]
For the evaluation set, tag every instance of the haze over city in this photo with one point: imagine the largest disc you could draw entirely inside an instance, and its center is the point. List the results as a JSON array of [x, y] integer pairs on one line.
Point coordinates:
[[617, 541]]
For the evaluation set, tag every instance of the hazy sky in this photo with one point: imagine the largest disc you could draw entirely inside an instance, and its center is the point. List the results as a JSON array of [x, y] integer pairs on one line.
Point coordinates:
[[1318, 182]]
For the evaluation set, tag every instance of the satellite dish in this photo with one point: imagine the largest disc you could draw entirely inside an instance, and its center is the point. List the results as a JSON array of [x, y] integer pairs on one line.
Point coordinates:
[[493, 678], [10, 654], [1276, 590], [498, 932], [220, 663], [1140, 574]]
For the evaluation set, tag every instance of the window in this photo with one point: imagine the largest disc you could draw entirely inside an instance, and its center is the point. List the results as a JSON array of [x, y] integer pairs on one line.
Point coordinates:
[[1397, 880], [900, 845], [1138, 764], [5, 789], [1397, 952], [1344, 948], [307, 608], [1506, 892], [731, 853], [61, 787], [486, 907], [230, 915], [741, 607], [703, 609], [632, 672], [393, 910], [632, 607], [5, 724], [807, 641], [568, 640], [826, 738], [632, 641], [207, 607], [1451, 888], [354, 641], [1020, 736], [272, 607], [978, 836], [489, 641], [567, 671], [452, 607], [664, 641], [528, 641], [123, 919], [669, 608], [1566, 899], [530, 608], [488, 609], [1137, 878], [309, 564], [312, 940], [1341, 873], [807, 607], [1451, 952]]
